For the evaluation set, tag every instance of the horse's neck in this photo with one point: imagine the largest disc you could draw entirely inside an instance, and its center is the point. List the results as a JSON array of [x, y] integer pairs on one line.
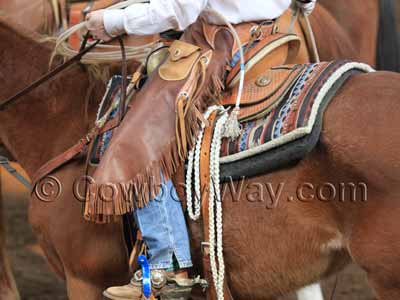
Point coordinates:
[[49, 119], [340, 28]]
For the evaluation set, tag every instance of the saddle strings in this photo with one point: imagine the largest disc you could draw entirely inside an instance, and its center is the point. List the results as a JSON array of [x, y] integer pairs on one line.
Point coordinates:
[[226, 126], [232, 127]]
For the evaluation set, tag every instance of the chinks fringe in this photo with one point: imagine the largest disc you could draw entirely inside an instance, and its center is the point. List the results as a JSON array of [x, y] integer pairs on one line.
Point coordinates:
[[105, 203]]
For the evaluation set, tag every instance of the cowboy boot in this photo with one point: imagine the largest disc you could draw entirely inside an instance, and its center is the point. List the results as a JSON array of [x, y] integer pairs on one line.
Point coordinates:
[[167, 286]]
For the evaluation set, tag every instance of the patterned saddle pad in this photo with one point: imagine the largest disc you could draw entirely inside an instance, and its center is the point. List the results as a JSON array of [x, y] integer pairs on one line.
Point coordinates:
[[111, 99], [281, 123], [291, 120]]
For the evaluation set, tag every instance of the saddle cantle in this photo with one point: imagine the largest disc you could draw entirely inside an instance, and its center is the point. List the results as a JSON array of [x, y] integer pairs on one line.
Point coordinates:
[[266, 52]]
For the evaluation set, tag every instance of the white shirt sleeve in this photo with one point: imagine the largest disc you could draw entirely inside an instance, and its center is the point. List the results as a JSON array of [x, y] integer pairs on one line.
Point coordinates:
[[154, 17]]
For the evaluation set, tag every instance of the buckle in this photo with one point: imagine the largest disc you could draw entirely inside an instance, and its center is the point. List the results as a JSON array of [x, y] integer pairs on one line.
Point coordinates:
[[204, 245], [256, 32]]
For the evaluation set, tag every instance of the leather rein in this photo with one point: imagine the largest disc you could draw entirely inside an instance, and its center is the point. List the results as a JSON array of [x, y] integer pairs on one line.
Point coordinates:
[[54, 72], [83, 143]]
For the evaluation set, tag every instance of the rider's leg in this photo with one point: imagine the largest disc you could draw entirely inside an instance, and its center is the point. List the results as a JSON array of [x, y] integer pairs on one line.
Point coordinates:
[[164, 231]]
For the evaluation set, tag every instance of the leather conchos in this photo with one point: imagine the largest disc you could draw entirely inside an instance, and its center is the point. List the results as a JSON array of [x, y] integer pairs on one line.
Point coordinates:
[[182, 57]]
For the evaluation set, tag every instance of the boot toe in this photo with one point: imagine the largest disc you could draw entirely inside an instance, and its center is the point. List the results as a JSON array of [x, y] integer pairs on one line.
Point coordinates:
[[126, 292]]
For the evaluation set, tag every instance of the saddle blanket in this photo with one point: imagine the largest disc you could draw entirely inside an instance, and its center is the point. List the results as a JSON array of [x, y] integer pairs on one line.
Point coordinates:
[[290, 130], [110, 100], [284, 135]]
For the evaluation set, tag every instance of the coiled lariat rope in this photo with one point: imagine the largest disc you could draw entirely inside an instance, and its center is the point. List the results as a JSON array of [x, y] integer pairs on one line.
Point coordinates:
[[215, 209], [226, 126], [109, 53]]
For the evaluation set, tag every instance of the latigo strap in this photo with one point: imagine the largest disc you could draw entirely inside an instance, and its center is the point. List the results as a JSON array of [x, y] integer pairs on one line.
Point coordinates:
[[205, 198]]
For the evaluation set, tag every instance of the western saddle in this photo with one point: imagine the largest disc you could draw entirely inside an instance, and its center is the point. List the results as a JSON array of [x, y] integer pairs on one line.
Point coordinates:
[[274, 52]]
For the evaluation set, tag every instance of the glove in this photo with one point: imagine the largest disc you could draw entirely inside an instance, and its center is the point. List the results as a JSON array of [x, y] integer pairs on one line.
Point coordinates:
[[306, 6], [95, 24]]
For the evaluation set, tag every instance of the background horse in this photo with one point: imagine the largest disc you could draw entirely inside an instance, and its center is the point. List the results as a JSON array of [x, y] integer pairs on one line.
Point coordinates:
[[88, 276], [33, 14], [366, 33]]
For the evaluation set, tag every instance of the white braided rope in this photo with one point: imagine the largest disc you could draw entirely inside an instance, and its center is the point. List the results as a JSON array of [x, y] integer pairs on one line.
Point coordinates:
[[194, 166], [215, 209], [215, 204], [197, 186], [189, 200]]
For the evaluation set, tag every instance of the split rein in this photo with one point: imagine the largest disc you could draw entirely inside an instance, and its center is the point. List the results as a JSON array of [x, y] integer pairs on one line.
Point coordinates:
[[75, 59], [83, 143]]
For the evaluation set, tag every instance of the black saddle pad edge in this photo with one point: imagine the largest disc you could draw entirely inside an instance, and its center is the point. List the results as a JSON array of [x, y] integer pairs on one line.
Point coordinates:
[[287, 155]]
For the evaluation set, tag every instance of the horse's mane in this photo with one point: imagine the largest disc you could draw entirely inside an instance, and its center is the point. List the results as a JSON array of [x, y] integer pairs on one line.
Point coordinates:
[[9, 24]]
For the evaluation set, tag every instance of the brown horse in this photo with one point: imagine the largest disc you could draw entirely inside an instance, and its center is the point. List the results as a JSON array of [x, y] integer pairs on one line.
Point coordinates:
[[366, 33], [36, 15], [313, 239]]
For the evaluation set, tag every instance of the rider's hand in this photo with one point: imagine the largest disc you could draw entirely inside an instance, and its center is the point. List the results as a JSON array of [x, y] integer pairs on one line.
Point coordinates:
[[306, 6], [95, 24]]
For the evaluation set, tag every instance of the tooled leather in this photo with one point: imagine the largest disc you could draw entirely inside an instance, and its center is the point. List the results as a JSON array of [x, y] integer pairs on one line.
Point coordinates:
[[244, 31], [257, 100], [268, 41], [253, 93], [261, 109], [182, 57]]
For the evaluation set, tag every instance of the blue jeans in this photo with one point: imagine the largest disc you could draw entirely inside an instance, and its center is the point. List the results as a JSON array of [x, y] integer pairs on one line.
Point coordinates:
[[164, 230]]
